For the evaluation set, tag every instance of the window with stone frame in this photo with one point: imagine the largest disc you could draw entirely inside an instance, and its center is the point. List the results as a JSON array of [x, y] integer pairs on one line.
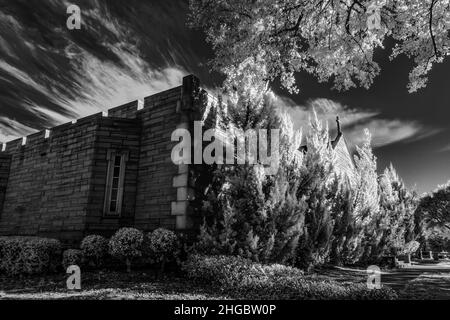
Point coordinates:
[[115, 183]]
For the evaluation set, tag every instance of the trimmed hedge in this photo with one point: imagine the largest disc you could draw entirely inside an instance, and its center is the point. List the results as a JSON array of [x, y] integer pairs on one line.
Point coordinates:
[[29, 255], [126, 245], [250, 280], [161, 246], [72, 257], [94, 249]]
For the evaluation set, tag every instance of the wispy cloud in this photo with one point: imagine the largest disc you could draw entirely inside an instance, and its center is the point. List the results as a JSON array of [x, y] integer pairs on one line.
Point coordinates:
[[49, 75], [52, 84], [385, 132], [445, 148], [108, 85], [354, 121], [21, 76], [11, 129]]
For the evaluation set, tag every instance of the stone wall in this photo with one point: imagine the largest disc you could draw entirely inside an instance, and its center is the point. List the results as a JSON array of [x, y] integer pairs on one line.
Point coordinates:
[[155, 191], [5, 164], [166, 190], [120, 135], [53, 182], [48, 183]]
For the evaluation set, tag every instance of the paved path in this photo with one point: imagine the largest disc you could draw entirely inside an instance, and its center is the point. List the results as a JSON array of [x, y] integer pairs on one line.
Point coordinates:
[[421, 280], [425, 280]]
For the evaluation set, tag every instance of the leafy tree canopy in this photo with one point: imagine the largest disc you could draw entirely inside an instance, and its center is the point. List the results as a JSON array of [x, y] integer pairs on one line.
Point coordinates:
[[434, 208], [258, 41]]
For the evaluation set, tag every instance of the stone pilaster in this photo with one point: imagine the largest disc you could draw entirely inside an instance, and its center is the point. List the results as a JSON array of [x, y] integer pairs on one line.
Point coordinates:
[[189, 110]]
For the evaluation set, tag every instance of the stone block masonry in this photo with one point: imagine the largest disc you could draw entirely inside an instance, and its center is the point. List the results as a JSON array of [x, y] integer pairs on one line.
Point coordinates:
[[54, 183]]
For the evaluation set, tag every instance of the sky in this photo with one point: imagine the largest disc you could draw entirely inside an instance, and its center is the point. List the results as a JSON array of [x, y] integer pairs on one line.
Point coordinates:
[[128, 50]]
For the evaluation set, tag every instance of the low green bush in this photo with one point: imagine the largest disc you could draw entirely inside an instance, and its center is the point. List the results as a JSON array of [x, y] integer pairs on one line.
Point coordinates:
[[126, 245], [224, 271], [94, 249], [72, 257], [251, 280], [29, 255], [162, 246]]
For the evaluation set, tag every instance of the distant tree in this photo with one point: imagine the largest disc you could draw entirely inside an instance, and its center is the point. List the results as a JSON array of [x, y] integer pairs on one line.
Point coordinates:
[[437, 241], [258, 41], [434, 208], [411, 247]]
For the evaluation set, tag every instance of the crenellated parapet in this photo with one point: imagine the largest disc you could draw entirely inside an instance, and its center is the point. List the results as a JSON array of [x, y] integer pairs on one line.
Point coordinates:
[[130, 110]]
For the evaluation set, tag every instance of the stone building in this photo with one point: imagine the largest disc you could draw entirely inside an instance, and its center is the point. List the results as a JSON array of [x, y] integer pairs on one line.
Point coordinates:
[[108, 170], [102, 172]]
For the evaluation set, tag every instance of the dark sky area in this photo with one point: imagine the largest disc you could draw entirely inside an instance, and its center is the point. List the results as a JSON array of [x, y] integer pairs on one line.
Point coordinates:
[[131, 49]]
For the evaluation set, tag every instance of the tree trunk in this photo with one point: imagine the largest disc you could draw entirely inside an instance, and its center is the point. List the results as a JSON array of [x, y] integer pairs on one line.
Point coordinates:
[[408, 258], [161, 270], [128, 262]]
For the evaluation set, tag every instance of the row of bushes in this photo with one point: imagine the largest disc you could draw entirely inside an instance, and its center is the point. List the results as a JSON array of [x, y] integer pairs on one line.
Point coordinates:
[[231, 274], [29, 255], [33, 255], [128, 245], [251, 280]]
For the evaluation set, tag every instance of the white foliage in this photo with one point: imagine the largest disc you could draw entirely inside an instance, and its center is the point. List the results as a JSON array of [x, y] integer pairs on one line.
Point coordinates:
[[290, 142], [367, 198], [320, 155], [257, 41]]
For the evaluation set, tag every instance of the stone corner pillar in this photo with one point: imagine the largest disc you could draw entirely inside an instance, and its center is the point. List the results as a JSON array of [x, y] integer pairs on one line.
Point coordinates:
[[189, 112]]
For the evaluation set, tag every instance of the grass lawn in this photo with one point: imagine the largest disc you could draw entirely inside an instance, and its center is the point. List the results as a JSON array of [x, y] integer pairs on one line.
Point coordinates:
[[428, 287], [429, 281], [106, 285], [139, 285], [415, 283]]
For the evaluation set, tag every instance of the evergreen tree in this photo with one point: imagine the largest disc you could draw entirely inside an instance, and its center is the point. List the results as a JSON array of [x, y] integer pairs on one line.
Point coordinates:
[[315, 179], [395, 223], [305, 214], [434, 208], [343, 222], [364, 204], [247, 212]]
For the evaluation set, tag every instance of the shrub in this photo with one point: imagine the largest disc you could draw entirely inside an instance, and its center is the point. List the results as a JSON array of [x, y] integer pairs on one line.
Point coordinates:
[[161, 246], [126, 244], [224, 271], [255, 281], [72, 257], [94, 249], [29, 255]]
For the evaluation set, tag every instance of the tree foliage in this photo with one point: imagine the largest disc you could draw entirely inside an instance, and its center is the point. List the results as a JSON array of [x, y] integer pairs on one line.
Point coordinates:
[[434, 208], [250, 214], [396, 220], [315, 178], [258, 41], [307, 213]]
